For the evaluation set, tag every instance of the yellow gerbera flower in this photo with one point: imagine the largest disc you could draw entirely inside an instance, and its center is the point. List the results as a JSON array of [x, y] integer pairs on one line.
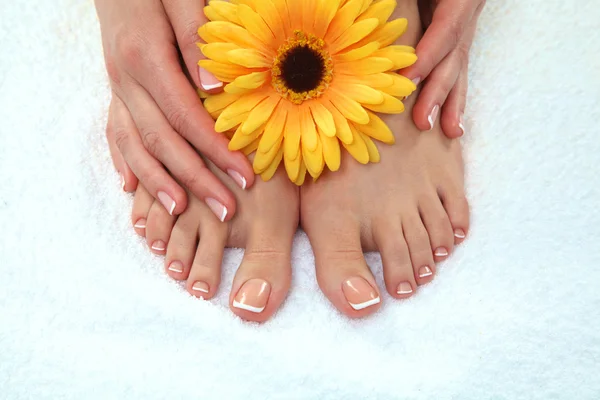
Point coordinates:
[[303, 77]]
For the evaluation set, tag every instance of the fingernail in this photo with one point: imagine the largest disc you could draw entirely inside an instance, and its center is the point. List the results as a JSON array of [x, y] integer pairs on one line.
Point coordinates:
[[167, 202], [461, 123], [200, 286], [159, 245], [440, 252], [416, 80], [217, 208], [404, 288], [359, 293], [424, 272], [176, 266], [253, 296], [207, 80], [140, 223], [433, 116], [122, 181], [238, 178], [459, 233]]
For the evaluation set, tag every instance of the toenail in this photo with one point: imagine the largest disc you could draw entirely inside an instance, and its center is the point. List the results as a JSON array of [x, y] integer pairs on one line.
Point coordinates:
[[433, 116], [404, 288], [217, 208], [158, 245], [461, 124], [200, 286], [167, 202], [122, 181], [459, 233], [359, 293], [140, 224], [175, 266], [424, 272], [440, 252], [238, 178], [253, 296]]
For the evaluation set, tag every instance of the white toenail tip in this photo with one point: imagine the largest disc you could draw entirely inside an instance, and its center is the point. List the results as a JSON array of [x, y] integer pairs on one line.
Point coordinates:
[[140, 226], [223, 214], [462, 127], [459, 236], [366, 304], [199, 290], [156, 248], [246, 307], [404, 291], [122, 182], [441, 253], [175, 269], [211, 87], [172, 208], [425, 275], [244, 183]]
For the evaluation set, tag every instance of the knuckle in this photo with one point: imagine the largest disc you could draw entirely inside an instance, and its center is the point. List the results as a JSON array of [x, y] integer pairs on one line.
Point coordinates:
[[178, 116], [130, 48], [152, 141], [456, 31], [121, 138], [189, 34], [191, 178]]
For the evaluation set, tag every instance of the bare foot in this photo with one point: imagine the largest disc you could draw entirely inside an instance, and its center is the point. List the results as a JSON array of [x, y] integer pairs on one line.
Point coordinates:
[[411, 207], [264, 224]]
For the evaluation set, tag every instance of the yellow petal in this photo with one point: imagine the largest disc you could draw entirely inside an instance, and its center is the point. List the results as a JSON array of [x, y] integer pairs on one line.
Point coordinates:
[[401, 86], [363, 94], [371, 148], [399, 58], [326, 10], [218, 51], [267, 10], [307, 128], [358, 54], [240, 140], [244, 104], [331, 152], [219, 102], [292, 167], [274, 129], [292, 134], [349, 108], [322, 118], [223, 71], [226, 10], [343, 19], [251, 148], [366, 66], [377, 129], [255, 24], [314, 159], [260, 114], [358, 148], [388, 33], [228, 32], [253, 80], [390, 105], [270, 171], [224, 124], [262, 161], [378, 81], [382, 10], [301, 174], [353, 34], [248, 58], [342, 127]]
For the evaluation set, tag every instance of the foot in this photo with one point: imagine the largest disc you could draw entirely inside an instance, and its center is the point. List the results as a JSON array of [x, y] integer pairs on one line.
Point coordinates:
[[411, 207], [264, 224]]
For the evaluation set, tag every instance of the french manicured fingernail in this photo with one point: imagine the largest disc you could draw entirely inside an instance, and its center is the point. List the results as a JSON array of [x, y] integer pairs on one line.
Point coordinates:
[[359, 293], [404, 288], [416, 80], [167, 202], [459, 233], [424, 272], [238, 178], [217, 208], [207, 80], [433, 116], [200, 287], [159, 245], [176, 266], [461, 123], [140, 223], [253, 296], [440, 252], [122, 181]]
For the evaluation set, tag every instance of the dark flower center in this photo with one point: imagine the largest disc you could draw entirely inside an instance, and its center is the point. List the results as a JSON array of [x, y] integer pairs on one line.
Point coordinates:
[[302, 69]]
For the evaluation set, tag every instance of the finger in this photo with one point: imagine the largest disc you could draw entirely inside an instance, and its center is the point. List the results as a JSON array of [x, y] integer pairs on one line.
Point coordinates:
[[180, 104], [185, 164], [150, 172], [450, 19], [187, 16], [454, 107], [128, 179]]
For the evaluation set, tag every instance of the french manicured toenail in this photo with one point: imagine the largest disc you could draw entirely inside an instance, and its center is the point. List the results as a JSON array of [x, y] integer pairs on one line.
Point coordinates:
[[200, 286], [404, 288], [176, 266], [158, 245], [253, 296], [424, 272], [461, 124], [433, 116], [167, 202], [459, 233], [140, 223], [217, 208], [359, 293], [122, 181], [238, 178], [441, 252]]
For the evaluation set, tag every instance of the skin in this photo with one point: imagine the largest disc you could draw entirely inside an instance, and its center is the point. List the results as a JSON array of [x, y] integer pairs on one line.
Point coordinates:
[[147, 79]]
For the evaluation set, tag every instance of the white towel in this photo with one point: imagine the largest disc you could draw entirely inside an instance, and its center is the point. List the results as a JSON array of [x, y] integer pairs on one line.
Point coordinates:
[[87, 313]]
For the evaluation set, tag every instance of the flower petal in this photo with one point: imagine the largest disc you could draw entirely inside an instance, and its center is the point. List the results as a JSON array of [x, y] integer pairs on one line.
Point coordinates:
[[262, 161], [349, 108], [331, 152], [366, 66], [270, 171], [248, 58], [363, 94], [307, 128], [240, 140], [374, 156], [322, 118], [255, 25], [260, 114], [382, 10], [390, 105], [292, 134], [377, 129], [353, 34], [358, 148], [274, 129]]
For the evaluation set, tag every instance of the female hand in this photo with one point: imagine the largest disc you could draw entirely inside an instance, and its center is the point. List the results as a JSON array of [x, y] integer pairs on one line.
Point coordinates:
[[443, 61], [141, 40]]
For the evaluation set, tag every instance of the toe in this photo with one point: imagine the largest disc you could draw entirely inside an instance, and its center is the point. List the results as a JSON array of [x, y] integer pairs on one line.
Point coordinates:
[[183, 243], [437, 223], [205, 273], [159, 225], [142, 202], [419, 247], [263, 279], [342, 271], [397, 268], [457, 208]]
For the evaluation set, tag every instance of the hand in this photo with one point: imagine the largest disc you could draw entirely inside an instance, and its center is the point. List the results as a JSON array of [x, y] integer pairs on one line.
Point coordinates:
[[141, 40], [443, 62]]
